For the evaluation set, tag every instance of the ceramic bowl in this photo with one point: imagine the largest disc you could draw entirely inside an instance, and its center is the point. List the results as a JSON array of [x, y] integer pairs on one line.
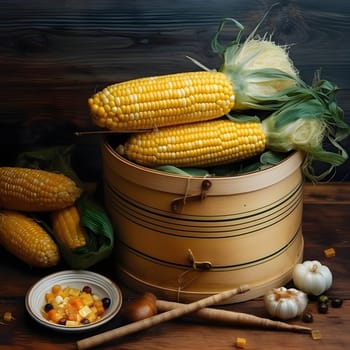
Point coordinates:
[[100, 286]]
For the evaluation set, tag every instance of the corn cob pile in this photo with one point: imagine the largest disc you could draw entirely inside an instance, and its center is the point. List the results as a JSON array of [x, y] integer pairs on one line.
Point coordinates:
[[25, 194], [24, 190], [195, 119]]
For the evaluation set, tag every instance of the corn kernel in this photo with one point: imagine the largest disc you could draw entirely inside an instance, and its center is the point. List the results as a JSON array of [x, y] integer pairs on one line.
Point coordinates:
[[240, 343], [316, 334], [329, 252], [8, 317]]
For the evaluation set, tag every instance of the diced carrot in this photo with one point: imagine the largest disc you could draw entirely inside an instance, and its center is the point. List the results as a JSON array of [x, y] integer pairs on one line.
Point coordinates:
[[76, 302], [54, 316], [71, 312], [56, 289]]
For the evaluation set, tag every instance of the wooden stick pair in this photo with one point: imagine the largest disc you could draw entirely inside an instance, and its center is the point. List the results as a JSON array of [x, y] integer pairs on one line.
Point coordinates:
[[182, 310], [234, 318]]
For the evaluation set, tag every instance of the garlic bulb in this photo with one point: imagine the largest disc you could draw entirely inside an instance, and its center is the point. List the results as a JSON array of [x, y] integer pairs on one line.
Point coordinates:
[[312, 277], [285, 303]]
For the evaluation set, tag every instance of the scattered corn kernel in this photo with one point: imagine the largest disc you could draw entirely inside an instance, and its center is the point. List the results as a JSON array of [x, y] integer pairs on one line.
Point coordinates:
[[240, 343], [8, 317], [329, 252], [316, 334]]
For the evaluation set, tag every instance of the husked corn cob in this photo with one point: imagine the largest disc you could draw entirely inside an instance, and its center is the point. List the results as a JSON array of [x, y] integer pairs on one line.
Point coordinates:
[[173, 99], [27, 240], [35, 190], [199, 144], [251, 76], [67, 229]]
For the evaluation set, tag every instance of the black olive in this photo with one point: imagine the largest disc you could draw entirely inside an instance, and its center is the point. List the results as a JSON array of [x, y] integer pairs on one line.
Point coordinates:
[[322, 308], [106, 302], [307, 317], [336, 302], [84, 321], [87, 289], [48, 307], [62, 321]]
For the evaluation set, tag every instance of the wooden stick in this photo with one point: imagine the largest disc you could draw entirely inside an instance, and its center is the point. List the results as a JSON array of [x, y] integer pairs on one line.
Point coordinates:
[[105, 132], [157, 319], [233, 318]]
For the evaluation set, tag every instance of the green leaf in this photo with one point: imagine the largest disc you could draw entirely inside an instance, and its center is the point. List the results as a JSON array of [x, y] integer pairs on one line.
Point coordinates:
[[55, 159], [243, 118], [271, 158], [183, 171]]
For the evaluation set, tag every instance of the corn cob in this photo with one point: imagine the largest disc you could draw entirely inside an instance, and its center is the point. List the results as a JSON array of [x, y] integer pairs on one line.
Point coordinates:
[[35, 190], [196, 145], [67, 229], [173, 99], [251, 75], [27, 240]]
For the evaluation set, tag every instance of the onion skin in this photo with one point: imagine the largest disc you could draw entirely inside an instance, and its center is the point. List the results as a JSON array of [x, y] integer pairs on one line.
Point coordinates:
[[140, 308]]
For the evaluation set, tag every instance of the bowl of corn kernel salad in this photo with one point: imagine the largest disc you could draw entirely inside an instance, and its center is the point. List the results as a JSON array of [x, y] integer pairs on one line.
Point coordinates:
[[73, 300]]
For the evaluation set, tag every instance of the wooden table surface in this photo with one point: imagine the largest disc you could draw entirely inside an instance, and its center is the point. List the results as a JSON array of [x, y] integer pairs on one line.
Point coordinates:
[[325, 224]]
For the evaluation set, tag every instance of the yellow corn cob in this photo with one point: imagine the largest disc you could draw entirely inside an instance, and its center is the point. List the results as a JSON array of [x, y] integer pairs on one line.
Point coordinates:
[[27, 240], [67, 229], [194, 145], [173, 99], [35, 190], [251, 75]]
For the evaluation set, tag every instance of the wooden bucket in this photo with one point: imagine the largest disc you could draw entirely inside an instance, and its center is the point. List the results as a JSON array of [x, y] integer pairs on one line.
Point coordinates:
[[185, 238]]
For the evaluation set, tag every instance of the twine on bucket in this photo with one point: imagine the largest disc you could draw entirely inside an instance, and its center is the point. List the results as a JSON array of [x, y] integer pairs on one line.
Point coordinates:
[[178, 203], [196, 268]]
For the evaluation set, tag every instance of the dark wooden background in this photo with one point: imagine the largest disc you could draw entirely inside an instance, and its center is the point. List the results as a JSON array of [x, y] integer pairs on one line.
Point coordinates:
[[55, 54]]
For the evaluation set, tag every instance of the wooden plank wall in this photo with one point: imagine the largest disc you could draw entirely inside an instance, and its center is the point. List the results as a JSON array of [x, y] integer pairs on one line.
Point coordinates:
[[55, 54]]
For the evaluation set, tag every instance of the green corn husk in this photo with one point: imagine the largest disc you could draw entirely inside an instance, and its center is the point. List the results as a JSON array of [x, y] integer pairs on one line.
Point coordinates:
[[309, 121], [304, 118], [312, 122], [258, 68]]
